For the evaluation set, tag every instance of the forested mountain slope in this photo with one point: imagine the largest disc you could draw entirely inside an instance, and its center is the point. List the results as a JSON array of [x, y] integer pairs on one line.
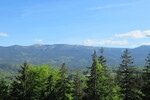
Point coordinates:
[[75, 56]]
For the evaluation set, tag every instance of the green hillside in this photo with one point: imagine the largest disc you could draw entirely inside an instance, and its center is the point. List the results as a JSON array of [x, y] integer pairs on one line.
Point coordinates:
[[75, 56]]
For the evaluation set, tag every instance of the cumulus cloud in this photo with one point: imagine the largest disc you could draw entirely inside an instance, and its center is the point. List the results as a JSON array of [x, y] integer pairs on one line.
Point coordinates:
[[91, 42], [134, 34], [148, 35], [4, 34], [148, 43], [38, 40]]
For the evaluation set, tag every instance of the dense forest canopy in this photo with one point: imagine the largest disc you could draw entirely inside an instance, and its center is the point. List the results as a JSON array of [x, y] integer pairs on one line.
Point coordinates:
[[97, 82]]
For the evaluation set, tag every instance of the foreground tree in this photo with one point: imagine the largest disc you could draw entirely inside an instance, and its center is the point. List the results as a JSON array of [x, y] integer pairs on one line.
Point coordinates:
[[126, 78], [38, 81], [30, 83], [51, 90], [102, 59], [4, 93], [146, 79], [78, 87], [63, 85], [93, 82], [107, 82], [97, 89], [110, 88], [20, 86]]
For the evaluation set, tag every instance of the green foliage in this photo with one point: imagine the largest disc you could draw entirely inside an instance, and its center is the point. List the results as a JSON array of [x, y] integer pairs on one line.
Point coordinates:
[[100, 84], [101, 58], [8, 71], [146, 79], [31, 82], [4, 90], [126, 78], [44, 82], [20, 87], [78, 87], [38, 77], [63, 85], [96, 84], [50, 92]]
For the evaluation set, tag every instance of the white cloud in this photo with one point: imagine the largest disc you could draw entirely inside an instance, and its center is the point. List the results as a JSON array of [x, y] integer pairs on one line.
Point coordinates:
[[38, 40], [134, 34], [109, 6], [135, 45], [148, 43], [148, 35], [91, 42], [4, 34]]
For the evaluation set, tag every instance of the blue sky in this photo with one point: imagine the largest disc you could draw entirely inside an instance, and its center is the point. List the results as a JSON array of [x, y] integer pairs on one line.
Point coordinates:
[[117, 23]]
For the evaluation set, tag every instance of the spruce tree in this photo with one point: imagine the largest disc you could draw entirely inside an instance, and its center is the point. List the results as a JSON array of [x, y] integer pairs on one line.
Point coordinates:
[[78, 87], [93, 82], [107, 79], [126, 78], [102, 59], [20, 86], [63, 85], [110, 88], [4, 90], [51, 90], [38, 81], [94, 55], [96, 88], [146, 79]]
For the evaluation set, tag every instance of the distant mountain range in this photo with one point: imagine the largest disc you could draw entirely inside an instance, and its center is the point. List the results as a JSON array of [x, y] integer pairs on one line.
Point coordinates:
[[75, 56]]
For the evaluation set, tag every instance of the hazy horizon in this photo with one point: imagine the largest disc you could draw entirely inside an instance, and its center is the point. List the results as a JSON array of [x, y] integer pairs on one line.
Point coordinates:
[[99, 46]]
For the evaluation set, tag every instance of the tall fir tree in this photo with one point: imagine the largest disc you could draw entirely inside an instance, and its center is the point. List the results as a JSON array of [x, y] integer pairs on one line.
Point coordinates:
[[63, 85], [126, 78], [93, 90], [51, 89], [110, 88], [146, 79], [102, 59], [20, 86], [107, 79], [78, 87], [4, 90], [38, 78], [94, 55], [96, 89]]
